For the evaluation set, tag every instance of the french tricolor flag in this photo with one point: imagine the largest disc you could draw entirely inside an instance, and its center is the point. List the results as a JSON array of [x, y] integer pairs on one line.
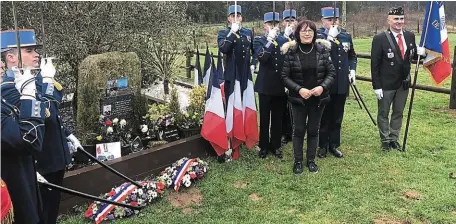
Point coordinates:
[[234, 115], [249, 109], [435, 39], [214, 126]]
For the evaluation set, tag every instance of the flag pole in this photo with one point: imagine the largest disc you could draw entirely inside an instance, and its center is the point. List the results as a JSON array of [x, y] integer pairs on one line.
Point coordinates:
[[404, 143]]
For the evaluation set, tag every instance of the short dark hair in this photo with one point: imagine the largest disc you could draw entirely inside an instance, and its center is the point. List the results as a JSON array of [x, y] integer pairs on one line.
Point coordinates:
[[306, 23]]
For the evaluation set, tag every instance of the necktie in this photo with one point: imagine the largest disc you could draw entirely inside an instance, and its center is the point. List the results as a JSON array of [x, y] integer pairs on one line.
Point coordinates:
[[401, 45]]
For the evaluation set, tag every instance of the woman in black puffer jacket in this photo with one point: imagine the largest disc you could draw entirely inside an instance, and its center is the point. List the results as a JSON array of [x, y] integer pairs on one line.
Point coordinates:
[[307, 74]]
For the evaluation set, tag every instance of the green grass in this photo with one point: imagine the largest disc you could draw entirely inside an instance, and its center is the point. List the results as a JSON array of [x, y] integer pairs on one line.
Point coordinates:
[[365, 186]]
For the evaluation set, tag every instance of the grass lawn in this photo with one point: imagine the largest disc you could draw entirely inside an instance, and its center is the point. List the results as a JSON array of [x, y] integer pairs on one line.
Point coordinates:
[[366, 186]]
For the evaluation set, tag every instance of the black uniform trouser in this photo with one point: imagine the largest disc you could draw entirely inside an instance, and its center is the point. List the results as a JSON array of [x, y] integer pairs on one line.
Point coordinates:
[[51, 198], [331, 122], [271, 112], [306, 118], [287, 128]]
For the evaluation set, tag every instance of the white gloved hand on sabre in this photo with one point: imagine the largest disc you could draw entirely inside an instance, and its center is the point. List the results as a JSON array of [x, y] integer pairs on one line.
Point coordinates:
[[40, 178], [333, 32], [379, 93], [74, 141], [25, 83], [235, 27], [272, 34], [288, 31], [352, 77], [252, 69], [47, 70]]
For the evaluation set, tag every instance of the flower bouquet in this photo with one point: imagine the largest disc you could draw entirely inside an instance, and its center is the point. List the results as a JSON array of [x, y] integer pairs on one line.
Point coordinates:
[[126, 193], [183, 172]]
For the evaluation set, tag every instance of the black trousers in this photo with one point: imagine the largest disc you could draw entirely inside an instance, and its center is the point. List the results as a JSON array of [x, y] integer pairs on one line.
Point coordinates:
[[271, 114], [287, 127], [306, 118], [331, 122], [51, 198]]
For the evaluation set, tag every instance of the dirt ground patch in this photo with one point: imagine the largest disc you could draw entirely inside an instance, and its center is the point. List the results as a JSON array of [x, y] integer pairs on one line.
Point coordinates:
[[413, 195], [445, 110], [388, 220], [240, 184], [454, 212], [185, 199], [254, 197]]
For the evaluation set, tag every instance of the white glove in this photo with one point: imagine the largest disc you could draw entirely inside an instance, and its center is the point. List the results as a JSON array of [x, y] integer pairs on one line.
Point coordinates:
[[421, 51], [272, 34], [25, 83], [252, 69], [71, 148], [288, 31], [379, 93], [352, 77], [74, 141], [333, 32], [40, 178], [235, 27], [47, 70]]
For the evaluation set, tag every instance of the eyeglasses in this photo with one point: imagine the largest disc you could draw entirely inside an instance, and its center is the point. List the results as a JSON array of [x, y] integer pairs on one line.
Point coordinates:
[[306, 31]]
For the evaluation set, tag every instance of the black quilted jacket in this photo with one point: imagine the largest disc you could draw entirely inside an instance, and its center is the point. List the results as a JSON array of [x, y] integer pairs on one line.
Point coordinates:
[[293, 78]]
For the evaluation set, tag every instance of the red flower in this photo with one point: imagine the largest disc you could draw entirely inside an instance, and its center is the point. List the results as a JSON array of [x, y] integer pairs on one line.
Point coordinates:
[[108, 122], [159, 191], [111, 193], [134, 203], [193, 176], [160, 185]]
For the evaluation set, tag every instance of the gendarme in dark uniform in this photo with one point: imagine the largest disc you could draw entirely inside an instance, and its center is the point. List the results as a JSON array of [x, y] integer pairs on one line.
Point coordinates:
[[55, 154], [289, 24], [236, 46], [268, 85], [344, 60]]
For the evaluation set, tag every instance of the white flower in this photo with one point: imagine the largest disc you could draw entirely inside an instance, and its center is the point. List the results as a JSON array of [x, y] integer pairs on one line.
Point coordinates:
[[204, 169], [140, 201], [134, 191], [174, 173], [149, 192], [115, 121], [144, 129], [140, 192], [187, 183], [165, 176], [186, 178], [154, 194], [123, 122], [94, 210], [109, 130], [101, 116], [168, 183]]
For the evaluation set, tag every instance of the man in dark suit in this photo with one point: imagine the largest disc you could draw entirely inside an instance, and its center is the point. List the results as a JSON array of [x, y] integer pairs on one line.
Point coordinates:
[[391, 54], [271, 92]]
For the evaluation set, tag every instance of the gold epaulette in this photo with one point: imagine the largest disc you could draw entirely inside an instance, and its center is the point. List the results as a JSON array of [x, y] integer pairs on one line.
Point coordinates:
[[57, 85], [47, 112]]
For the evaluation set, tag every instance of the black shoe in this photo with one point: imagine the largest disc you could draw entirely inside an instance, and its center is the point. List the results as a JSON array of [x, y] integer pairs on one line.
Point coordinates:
[[263, 153], [336, 152], [278, 153], [395, 145], [313, 168], [386, 146], [297, 167], [322, 152]]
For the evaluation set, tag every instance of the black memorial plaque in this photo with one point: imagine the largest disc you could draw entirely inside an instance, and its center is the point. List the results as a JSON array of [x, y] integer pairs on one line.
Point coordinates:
[[117, 106], [169, 134]]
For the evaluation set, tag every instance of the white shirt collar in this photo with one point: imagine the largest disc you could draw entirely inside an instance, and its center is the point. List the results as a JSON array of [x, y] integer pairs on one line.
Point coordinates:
[[395, 34]]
